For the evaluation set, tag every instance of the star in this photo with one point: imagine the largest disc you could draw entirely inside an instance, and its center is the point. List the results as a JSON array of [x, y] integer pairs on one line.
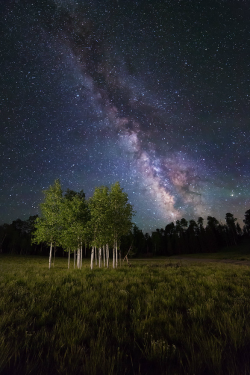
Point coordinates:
[[153, 95]]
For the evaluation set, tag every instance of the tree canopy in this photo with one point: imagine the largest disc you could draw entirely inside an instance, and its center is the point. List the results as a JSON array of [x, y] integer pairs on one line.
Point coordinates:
[[69, 220]]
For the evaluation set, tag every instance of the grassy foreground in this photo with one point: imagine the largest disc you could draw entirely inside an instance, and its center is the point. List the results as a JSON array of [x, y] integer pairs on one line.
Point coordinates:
[[163, 318]]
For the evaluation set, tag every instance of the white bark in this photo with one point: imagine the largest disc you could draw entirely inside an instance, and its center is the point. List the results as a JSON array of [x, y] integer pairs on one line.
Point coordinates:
[[69, 259], [107, 255], [100, 257], [95, 256], [114, 255], [78, 257], [81, 257], [78, 260], [103, 248], [50, 255], [92, 257]]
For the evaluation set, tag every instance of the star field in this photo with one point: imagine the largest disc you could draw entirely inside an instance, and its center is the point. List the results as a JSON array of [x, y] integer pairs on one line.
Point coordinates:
[[153, 94]]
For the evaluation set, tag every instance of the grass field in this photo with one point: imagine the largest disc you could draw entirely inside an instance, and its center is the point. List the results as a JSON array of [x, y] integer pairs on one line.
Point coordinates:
[[157, 317]]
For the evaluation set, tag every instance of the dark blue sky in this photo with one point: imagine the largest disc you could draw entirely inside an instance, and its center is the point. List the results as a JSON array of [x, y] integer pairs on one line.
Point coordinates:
[[153, 94]]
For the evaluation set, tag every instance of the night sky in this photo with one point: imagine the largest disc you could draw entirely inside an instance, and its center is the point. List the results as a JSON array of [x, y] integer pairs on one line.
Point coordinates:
[[153, 94]]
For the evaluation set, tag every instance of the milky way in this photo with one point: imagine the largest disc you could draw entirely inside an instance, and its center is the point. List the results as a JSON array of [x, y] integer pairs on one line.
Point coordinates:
[[152, 94]]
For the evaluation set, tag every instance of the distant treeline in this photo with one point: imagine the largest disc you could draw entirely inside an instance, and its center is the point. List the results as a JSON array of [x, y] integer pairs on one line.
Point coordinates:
[[182, 237]]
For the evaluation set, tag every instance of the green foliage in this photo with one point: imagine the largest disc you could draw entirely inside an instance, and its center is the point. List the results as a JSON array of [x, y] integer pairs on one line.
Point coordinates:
[[161, 317], [111, 215], [48, 227], [121, 211], [99, 226], [70, 220], [74, 216]]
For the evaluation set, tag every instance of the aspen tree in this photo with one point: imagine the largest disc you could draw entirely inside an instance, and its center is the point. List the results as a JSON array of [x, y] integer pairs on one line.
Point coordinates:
[[111, 216], [114, 255], [107, 255], [78, 257], [48, 227], [100, 257], [75, 216], [92, 257], [121, 213], [103, 248], [81, 257], [67, 243], [50, 254], [99, 223], [68, 258]]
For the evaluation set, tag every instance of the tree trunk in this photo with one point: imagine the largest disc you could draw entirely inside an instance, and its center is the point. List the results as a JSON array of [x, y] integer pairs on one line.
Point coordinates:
[[126, 256], [50, 255], [92, 257], [103, 248], [78, 261], [69, 259], [74, 258], [114, 255], [100, 257], [78, 257], [107, 255], [81, 256]]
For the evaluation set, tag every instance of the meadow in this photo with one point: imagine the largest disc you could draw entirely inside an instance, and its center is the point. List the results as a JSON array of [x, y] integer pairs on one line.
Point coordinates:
[[155, 317]]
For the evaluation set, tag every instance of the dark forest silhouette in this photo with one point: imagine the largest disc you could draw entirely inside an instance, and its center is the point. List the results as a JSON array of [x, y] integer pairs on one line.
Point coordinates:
[[182, 237]]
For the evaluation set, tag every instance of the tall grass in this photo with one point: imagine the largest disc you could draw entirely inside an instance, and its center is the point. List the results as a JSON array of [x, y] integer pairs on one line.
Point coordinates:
[[164, 318]]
